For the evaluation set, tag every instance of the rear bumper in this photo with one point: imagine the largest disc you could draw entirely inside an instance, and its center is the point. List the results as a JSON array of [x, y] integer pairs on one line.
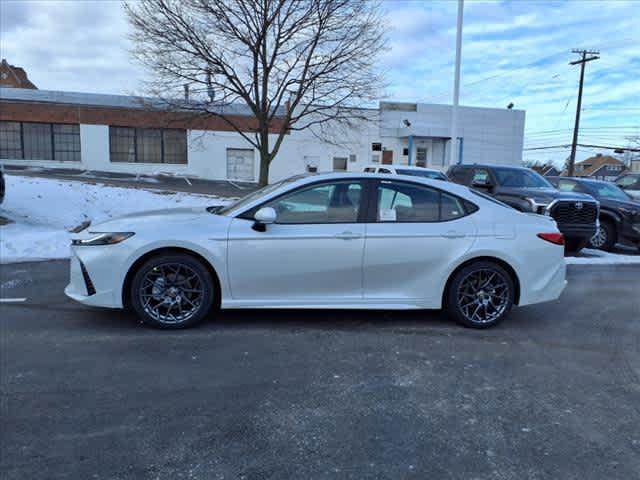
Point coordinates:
[[545, 288]]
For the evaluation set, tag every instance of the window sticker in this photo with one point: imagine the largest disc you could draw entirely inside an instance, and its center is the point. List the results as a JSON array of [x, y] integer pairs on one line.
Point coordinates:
[[387, 215]]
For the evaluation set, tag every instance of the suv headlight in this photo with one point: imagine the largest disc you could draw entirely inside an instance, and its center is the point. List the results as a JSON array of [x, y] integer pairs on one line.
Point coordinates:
[[537, 204], [103, 239]]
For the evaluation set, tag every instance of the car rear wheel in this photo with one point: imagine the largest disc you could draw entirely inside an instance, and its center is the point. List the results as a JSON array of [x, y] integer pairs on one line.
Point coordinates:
[[605, 237], [172, 291], [480, 295]]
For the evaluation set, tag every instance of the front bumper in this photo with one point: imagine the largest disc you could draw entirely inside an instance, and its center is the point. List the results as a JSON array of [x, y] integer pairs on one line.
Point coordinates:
[[92, 279], [581, 231]]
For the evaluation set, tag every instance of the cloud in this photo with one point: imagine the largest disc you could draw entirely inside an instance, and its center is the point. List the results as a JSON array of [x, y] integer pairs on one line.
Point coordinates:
[[512, 52]]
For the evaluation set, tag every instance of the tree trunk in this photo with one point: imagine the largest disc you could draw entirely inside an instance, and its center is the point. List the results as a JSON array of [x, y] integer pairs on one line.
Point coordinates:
[[265, 160]]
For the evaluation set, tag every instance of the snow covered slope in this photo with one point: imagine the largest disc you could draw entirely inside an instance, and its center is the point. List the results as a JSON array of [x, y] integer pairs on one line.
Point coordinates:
[[43, 210]]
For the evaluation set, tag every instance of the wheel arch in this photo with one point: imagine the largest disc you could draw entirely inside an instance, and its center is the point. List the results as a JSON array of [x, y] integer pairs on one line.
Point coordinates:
[[486, 258], [126, 301]]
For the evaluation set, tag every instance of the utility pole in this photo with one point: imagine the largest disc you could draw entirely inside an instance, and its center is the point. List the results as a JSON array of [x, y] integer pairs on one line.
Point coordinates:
[[581, 62], [453, 153]]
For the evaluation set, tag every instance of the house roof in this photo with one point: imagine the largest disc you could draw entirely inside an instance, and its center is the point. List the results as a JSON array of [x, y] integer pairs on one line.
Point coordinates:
[[591, 165], [14, 76]]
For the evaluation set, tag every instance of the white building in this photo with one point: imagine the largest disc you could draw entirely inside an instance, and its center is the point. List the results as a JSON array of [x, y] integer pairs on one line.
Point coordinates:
[[121, 134]]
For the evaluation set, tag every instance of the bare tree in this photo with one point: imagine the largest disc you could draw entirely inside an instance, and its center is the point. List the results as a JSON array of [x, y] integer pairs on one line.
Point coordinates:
[[296, 64]]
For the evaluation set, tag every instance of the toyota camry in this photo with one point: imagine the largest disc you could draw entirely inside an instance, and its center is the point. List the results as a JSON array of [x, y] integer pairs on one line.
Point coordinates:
[[343, 241]]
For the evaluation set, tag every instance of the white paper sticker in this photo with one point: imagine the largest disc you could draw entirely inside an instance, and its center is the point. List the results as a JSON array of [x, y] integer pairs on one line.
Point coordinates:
[[387, 215]]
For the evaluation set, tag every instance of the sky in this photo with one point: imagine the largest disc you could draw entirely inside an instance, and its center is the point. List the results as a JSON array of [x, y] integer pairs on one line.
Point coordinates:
[[512, 51]]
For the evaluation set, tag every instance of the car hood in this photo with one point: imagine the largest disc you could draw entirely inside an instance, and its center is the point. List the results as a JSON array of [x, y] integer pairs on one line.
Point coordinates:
[[545, 195], [135, 221], [612, 203]]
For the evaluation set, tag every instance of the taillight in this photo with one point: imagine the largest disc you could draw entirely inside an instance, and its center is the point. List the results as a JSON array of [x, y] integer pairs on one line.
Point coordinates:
[[555, 238]]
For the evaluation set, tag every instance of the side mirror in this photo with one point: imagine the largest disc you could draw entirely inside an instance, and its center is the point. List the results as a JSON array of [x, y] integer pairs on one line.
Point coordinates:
[[264, 217]]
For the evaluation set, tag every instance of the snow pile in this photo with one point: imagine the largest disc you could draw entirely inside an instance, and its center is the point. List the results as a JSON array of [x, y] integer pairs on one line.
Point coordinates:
[[598, 257], [44, 209]]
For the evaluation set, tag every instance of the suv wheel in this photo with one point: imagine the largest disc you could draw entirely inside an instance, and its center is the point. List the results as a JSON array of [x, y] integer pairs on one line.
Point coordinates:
[[605, 237], [480, 295]]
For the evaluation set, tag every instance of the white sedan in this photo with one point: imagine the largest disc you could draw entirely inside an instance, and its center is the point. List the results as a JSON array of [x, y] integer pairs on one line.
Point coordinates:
[[363, 241]]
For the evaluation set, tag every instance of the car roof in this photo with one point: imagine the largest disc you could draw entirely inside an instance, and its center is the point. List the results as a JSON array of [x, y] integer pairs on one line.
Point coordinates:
[[454, 188], [486, 165], [404, 167]]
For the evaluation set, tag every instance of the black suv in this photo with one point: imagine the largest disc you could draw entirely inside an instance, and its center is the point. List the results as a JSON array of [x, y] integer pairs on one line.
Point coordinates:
[[619, 213], [575, 213]]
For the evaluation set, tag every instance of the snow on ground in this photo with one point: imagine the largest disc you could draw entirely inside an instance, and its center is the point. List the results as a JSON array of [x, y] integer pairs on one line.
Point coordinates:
[[598, 257], [44, 209]]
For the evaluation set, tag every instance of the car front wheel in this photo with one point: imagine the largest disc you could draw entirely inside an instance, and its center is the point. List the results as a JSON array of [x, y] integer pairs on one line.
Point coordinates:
[[480, 295], [172, 291]]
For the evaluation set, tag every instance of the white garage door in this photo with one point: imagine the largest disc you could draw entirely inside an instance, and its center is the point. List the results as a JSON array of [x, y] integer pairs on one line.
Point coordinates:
[[240, 164]]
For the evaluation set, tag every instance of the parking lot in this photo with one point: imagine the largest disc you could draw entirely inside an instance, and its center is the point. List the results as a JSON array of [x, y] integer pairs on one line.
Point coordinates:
[[554, 392]]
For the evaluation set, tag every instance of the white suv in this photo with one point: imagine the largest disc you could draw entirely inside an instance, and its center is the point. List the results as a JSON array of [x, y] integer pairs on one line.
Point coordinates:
[[407, 170]]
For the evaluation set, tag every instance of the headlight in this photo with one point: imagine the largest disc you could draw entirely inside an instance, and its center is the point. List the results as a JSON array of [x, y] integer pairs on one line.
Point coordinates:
[[537, 204], [629, 211], [103, 239]]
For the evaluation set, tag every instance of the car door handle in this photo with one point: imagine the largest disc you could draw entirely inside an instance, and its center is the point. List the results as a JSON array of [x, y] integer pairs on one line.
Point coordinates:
[[451, 234], [347, 236]]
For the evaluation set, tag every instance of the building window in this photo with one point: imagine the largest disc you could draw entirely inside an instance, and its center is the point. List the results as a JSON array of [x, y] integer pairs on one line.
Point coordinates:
[[376, 147], [66, 142], [10, 140], [40, 141], [148, 145], [405, 152], [339, 164], [37, 141]]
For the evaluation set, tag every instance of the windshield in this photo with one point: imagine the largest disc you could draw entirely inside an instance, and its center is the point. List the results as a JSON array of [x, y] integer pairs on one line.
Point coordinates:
[[246, 200], [608, 190], [515, 177], [421, 173]]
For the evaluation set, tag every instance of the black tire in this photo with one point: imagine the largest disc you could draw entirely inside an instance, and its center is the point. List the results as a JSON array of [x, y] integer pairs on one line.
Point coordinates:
[[573, 246], [605, 238], [487, 315], [184, 279]]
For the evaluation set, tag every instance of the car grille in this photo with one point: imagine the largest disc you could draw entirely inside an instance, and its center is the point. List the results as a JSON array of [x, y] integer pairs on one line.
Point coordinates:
[[574, 213]]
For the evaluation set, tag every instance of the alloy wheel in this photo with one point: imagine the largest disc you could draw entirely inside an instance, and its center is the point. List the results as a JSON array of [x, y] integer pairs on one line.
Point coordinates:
[[600, 237], [171, 293], [483, 296]]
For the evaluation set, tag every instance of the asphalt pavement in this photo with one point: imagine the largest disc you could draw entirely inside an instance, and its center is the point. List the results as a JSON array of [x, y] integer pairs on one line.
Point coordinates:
[[553, 392]]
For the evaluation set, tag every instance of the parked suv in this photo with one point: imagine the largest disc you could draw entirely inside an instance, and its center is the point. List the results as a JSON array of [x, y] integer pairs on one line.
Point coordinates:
[[630, 183], [575, 213], [619, 214]]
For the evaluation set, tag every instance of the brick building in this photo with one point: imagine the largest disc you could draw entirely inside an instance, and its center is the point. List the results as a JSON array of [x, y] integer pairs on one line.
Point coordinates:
[[14, 77], [135, 135]]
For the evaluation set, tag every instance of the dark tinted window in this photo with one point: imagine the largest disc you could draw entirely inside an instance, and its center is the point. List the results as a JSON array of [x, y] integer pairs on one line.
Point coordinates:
[[405, 202], [459, 175], [520, 178]]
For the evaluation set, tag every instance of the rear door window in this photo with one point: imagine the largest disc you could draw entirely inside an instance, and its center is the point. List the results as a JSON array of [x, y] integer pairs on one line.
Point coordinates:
[[410, 203]]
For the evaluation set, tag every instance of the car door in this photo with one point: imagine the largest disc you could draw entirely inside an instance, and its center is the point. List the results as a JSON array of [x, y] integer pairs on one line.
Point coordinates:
[[311, 254], [414, 235]]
